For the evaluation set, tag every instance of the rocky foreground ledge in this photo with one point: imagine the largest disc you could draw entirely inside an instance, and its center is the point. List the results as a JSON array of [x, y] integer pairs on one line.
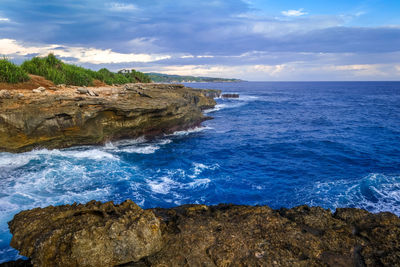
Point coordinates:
[[65, 116], [97, 234]]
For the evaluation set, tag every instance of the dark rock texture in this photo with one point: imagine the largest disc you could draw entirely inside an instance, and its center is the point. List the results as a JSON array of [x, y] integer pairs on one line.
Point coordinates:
[[230, 95], [211, 93], [199, 235], [66, 117]]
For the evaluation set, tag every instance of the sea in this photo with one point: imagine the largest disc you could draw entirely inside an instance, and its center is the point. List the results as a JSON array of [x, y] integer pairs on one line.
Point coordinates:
[[281, 144]]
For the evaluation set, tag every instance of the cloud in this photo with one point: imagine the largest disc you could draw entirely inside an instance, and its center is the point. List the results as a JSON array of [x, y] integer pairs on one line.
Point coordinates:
[[294, 12], [216, 36], [294, 71], [4, 20], [81, 54], [114, 6]]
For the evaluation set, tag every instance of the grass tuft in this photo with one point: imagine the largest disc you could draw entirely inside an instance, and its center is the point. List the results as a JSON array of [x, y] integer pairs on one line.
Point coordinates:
[[58, 72], [11, 73]]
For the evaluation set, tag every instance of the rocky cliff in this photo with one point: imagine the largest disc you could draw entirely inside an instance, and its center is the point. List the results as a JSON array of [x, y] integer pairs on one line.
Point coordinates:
[[99, 234], [59, 117]]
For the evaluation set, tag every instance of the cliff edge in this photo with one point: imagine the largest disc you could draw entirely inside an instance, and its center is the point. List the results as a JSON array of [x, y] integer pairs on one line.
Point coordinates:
[[97, 234], [58, 117]]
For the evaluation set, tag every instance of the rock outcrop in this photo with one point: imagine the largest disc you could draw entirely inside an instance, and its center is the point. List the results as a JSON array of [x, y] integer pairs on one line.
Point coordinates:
[[67, 117], [230, 95], [199, 235], [94, 234]]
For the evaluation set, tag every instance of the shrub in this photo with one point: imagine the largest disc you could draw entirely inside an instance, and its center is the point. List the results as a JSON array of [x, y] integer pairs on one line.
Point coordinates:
[[11, 73], [58, 72]]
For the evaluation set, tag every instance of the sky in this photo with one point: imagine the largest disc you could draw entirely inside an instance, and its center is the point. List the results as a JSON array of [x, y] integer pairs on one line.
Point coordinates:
[[255, 40]]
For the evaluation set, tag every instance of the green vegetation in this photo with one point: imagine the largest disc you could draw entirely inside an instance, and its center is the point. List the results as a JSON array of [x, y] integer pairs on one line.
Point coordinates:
[[58, 72], [165, 78], [11, 73], [132, 76], [138, 76]]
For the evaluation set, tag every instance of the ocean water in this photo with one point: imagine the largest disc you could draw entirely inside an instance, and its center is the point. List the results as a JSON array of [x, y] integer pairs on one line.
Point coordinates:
[[332, 144]]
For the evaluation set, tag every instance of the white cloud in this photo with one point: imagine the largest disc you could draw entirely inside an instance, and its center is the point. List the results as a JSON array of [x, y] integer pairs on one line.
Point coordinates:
[[205, 56], [360, 13], [367, 70], [271, 66], [4, 20], [291, 71], [83, 54], [281, 27], [294, 12], [121, 7], [252, 72]]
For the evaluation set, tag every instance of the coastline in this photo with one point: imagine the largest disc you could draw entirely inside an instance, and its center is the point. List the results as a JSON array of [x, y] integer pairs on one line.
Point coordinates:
[[74, 116], [360, 235], [105, 234]]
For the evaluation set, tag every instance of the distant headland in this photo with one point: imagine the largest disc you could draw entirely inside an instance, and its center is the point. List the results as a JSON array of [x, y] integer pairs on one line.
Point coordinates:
[[166, 78]]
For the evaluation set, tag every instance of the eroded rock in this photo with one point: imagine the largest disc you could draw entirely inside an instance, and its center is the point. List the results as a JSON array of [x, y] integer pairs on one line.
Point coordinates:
[[94, 234], [5, 94], [82, 90], [200, 235], [97, 115], [230, 95]]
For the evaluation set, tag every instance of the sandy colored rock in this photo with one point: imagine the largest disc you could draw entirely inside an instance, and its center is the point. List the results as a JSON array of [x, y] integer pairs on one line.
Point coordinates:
[[62, 118]]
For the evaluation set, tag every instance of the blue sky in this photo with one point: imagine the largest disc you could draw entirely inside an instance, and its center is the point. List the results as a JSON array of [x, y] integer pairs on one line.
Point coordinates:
[[261, 40]]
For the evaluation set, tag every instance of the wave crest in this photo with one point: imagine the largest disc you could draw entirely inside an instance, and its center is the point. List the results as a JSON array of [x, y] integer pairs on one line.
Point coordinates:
[[375, 192]]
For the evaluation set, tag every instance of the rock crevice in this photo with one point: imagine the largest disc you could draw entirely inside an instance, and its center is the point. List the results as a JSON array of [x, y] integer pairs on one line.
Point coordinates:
[[65, 118], [99, 234]]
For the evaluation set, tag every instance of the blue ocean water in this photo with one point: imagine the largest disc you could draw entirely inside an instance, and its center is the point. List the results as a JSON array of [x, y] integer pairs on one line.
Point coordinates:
[[282, 144]]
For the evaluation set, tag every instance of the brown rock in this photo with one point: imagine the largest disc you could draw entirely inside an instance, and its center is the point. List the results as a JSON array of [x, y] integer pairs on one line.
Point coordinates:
[[64, 119], [5, 94], [94, 234], [199, 235]]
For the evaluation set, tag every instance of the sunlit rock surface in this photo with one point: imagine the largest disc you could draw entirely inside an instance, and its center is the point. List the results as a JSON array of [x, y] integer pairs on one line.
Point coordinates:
[[197, 235], [66, 117]]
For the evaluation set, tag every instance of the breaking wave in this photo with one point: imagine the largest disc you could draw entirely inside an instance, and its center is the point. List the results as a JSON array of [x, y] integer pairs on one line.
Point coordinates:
[[376, 193]]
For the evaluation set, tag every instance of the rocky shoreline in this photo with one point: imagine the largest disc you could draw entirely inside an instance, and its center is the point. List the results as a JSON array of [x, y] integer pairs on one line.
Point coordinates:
[[104, 234], [64, 116]]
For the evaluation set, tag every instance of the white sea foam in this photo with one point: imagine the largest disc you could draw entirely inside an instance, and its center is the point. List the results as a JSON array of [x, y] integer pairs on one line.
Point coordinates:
[[94, 154], [138, 146], [197, 183], [216, 108], [375, 192], [163, 185], [231, 103], [13, 161], [190, 131], [199, 167], [246, 98], [149, 149], [178, 179], [164, 142], [18, 160]]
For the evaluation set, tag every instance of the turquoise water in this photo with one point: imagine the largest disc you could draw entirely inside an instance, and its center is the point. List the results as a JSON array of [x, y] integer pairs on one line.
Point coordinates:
[[279, 144]]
